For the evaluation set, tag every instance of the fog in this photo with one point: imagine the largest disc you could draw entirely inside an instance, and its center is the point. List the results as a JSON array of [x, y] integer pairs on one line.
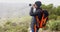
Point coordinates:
[[13, 9]]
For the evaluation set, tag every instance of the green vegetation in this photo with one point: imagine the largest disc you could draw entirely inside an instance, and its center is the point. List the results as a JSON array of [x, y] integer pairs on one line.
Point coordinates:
[[54, 12], [54, 17], [54, 25], [21, 26]]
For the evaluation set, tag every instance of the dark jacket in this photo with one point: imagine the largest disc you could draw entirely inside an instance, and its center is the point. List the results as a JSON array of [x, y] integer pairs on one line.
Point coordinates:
[[39, 13]]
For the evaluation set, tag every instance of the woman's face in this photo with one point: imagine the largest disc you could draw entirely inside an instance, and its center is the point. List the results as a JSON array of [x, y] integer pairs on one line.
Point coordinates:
[[35, 5]]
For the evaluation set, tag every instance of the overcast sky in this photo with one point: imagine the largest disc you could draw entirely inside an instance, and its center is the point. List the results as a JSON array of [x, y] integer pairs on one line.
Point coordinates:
[[55, 2]]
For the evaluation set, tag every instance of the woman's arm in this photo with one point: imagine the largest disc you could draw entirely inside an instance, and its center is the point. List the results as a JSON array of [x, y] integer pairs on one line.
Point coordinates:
[[33, 13]]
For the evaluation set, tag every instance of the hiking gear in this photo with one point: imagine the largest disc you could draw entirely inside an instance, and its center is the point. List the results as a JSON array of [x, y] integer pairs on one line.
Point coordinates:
[[42, 22]]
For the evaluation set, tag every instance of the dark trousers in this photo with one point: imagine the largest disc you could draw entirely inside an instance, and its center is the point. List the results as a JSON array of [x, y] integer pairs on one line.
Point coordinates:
[[37, 29], [32, 25]]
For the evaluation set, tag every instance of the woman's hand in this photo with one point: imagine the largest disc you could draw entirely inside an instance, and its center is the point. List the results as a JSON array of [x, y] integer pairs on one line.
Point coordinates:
[[33, 6]]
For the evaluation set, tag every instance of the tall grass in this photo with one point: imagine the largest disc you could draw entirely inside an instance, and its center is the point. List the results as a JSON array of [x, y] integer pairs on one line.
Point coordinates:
[[13, 25]]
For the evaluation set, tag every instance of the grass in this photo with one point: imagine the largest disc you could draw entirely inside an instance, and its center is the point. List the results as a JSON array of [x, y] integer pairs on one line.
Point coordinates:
[[22, 24]]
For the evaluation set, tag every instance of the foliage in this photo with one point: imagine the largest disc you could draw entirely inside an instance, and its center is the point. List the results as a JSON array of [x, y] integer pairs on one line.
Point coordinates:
[[21, 26], [54, 12], [54, 25]]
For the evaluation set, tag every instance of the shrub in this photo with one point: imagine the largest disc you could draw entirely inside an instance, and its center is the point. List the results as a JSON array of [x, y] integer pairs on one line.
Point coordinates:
[[54, 25]]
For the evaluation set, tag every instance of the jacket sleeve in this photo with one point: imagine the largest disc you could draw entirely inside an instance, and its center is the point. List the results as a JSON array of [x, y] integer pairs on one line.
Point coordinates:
[[33, 13]]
